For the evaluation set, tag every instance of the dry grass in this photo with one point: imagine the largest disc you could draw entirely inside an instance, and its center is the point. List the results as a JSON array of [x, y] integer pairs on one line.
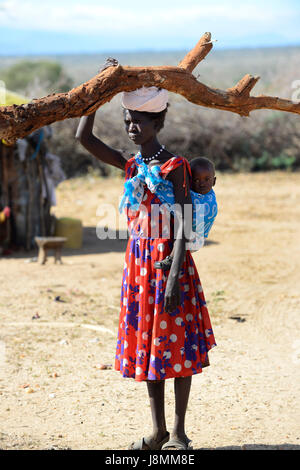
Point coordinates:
[[246, 399]]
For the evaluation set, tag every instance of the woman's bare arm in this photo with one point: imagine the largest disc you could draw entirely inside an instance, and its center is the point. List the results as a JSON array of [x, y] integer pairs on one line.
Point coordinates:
[[95, 146], [183, 226]]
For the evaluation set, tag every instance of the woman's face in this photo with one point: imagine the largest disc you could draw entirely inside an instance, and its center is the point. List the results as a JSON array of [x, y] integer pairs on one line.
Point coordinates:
[[140, 128]]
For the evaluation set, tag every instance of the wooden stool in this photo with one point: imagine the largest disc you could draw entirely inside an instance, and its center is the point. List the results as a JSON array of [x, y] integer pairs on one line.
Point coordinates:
[[50, 243]]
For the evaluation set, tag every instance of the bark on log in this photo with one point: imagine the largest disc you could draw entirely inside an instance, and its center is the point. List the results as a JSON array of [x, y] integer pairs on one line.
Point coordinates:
[[18, 121]]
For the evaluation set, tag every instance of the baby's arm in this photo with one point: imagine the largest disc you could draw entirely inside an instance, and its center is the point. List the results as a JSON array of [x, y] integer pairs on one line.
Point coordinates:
[[166, 263]]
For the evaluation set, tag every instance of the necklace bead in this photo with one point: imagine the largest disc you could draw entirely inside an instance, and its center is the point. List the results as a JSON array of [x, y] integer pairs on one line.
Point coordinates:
[[148, 159]]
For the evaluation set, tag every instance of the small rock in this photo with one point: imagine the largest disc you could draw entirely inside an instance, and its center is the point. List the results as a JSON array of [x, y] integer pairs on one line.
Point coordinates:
[[63, 342], [103, 366], [238, 319], [58, 299], [94, 340], [31, 260], [54, 375]]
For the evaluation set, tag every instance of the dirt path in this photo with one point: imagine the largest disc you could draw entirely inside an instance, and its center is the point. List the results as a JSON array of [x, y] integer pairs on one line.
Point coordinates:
[[52, 392]]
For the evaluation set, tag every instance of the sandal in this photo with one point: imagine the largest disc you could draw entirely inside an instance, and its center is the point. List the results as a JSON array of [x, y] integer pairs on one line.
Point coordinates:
[[165, 264], [145, 444], [177, 444]]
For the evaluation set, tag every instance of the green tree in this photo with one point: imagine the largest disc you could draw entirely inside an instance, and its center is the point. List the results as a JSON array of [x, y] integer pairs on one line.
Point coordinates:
[[51, 75]]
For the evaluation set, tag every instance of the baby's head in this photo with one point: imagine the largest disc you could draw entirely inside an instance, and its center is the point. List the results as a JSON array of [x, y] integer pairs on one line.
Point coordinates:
[[203, 175]]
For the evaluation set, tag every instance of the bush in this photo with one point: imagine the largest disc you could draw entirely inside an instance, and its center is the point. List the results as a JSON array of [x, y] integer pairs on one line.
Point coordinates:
[[23, 75], [265, 141]]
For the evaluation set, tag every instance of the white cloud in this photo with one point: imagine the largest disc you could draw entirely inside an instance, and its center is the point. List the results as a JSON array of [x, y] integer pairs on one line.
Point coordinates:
[[189, 19], [55, 15]]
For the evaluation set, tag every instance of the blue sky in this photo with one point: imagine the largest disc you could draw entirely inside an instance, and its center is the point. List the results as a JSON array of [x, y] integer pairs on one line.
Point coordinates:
[[70, 26]]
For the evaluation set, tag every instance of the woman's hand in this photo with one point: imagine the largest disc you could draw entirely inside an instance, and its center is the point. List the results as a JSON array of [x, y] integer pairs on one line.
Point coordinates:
[[110, 62], [172, 295]]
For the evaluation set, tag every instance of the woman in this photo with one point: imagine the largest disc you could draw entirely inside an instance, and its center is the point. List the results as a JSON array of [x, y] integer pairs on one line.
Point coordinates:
[[164, 328]]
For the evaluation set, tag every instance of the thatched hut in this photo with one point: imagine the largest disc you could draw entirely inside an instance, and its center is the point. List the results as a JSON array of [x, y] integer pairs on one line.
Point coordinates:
[[28, 177]]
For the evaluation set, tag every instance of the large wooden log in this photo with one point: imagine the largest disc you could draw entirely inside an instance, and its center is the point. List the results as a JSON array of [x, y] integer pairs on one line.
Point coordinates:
[[18, 121]]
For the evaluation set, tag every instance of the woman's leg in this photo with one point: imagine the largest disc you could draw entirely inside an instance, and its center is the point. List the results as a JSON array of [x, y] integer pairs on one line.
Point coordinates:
[[159, 436], [156, 392], [182, 386]]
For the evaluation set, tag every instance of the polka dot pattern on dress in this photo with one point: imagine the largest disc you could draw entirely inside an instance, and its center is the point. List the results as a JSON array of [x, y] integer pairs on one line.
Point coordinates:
[[153, 344]]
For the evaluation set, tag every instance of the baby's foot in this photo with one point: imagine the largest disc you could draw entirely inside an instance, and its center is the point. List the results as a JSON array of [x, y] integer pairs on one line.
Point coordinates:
[[165, 264]]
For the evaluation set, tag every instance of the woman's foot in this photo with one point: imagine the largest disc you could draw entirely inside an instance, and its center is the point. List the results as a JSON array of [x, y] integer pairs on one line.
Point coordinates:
[[153, 442], [165, 264], [177, 442]]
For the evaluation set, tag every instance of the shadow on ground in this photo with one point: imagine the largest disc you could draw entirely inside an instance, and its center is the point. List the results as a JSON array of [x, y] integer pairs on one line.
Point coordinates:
[[91, 245]]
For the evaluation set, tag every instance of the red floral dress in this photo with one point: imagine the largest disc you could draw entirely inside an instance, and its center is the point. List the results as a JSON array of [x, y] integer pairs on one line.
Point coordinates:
[[153, 344]]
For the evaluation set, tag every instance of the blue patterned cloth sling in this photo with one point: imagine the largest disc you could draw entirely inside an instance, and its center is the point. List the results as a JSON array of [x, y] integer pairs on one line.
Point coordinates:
[[204, 206]]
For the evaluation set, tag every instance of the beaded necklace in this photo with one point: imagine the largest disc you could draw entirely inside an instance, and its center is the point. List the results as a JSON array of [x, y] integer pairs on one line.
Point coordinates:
[[149, 159]]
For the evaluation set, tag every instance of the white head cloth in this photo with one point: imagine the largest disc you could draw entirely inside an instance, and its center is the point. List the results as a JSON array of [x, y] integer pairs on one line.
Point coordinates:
[[146, 99]]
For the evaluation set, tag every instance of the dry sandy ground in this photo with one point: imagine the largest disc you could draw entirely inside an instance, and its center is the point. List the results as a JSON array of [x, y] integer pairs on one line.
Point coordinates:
[[248, 398]]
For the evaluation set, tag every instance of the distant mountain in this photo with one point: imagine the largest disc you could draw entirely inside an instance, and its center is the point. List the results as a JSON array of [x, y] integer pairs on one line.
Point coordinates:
[[25, 42], [222, 68]]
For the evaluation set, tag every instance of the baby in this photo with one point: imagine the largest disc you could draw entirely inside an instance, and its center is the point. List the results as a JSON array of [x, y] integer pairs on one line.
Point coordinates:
[[202, 181]]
